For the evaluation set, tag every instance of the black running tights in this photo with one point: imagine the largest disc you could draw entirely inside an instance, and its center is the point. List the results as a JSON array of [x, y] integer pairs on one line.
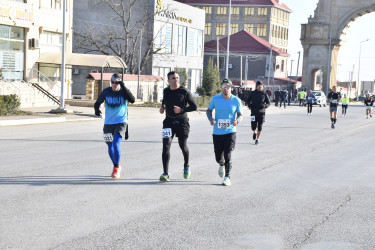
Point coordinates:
[[166, 152], [309, 107]]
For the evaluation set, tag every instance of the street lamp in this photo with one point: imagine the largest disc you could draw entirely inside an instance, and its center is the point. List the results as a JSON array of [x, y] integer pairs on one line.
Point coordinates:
[[359, 64], [228, 40]]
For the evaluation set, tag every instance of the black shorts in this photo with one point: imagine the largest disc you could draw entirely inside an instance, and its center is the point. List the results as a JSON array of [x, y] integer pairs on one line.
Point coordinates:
[[180, 127], [115, 128], [225, 142], [260, 118]]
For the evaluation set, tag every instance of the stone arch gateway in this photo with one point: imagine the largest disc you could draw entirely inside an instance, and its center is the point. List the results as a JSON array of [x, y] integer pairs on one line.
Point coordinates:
[[331, 19]]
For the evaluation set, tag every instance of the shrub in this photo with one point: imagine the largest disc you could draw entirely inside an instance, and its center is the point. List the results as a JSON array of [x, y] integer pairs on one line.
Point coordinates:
[[9, 104]]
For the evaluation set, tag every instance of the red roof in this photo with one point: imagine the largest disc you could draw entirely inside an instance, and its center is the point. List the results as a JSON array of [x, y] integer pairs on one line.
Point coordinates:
[[238, 2], [127, 77], [244, 42]]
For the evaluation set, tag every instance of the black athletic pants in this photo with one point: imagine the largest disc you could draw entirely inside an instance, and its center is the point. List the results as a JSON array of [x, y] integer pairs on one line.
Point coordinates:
[[309, 107], [166, 152], [223, 147]]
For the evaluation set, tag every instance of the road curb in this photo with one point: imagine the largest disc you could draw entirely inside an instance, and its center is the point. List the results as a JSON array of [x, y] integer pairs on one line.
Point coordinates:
[[31, 121]]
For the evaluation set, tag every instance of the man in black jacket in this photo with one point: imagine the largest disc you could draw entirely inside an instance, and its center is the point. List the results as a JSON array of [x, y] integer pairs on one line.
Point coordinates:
[[257, 102], [176, 122]]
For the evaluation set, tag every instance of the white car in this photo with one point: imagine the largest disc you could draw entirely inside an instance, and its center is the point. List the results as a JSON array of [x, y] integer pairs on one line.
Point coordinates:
[[320, 98]]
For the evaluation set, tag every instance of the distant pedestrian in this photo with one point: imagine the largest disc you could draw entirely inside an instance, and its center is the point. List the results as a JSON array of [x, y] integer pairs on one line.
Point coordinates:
[[277, 97], [345, 104], [310, 100], [368, 103], [333, 98], [283, 96], [269, 93]]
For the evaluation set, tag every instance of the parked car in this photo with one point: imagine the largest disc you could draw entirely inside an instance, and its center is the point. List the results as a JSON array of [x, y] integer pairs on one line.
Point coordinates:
[[320, 98]]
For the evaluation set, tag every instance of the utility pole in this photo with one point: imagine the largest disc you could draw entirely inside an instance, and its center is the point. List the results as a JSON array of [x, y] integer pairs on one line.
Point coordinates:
[[228, 41], [139, 66], [299, 55], [269, 68]]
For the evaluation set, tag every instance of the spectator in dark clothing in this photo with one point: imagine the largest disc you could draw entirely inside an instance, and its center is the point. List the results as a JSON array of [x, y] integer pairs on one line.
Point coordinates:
[[283, 96], [277, 97]]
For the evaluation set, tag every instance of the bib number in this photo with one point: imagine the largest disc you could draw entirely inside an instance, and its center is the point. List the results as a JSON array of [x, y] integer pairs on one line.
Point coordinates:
[[310, 98], [166, 132], [223, 123], [334, 101], [252, 118], [108, 137]]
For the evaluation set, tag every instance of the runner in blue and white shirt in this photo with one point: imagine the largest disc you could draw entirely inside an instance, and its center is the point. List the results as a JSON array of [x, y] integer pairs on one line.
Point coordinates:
[[116, 100], [228, 113]]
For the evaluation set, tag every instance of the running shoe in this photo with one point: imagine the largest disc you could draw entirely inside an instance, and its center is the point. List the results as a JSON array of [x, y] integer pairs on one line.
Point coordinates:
[[370, 116], [366, 117], [164, 178], [333, 125], [226, 181], [116, 172], [221, 171], [254, 136], [256, 142], [186, 173]]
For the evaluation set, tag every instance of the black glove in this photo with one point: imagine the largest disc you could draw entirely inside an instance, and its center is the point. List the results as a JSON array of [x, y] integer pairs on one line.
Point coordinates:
[[98, 112], [122, 85]]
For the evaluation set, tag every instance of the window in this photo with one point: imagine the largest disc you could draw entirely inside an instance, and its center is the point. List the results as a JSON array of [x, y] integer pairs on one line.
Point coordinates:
[[282, 65], [262, 11], [235, 10], [249, 27], [51, 41], [221, 61], [220, 29], [221, 10], [53, 4], [207, 29], [12, 52], [262, 30], [181, 40], [208, 9], [195, 42], [163, 40], [249, 11], [233, 28]]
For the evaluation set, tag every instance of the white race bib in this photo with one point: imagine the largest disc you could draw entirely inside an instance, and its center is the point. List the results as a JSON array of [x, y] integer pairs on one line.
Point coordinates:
[[108, 137], [223, 123], [310, 98], [252, 118], [334, 101], [166, 133]]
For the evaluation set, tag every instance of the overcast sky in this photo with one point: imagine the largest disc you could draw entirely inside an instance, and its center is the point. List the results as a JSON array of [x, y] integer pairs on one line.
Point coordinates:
[[360, 30]]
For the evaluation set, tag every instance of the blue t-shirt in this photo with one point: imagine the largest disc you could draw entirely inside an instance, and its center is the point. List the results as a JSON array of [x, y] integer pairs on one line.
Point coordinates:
[[225, 113], [115, 106]]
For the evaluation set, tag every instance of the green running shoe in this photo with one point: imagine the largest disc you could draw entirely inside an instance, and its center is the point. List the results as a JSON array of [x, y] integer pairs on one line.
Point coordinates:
[[164, 178], [186, 173]]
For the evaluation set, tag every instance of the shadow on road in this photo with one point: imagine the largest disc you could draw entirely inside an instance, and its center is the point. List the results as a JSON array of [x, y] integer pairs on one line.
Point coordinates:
[[85, 180]]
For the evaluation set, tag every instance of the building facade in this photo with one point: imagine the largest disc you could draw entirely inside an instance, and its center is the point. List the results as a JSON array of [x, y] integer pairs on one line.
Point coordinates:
[[267, 19], [29, 28], [177, 33]]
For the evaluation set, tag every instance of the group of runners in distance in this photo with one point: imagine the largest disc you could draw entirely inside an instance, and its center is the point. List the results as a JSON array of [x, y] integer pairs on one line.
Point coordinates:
[[177, 101]]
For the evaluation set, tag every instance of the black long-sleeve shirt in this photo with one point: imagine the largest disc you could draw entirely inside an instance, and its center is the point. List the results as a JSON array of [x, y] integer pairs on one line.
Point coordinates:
[[179, 97], [258, 101]]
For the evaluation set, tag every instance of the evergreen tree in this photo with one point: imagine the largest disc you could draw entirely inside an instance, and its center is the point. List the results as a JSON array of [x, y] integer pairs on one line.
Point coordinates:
[[211, 79]]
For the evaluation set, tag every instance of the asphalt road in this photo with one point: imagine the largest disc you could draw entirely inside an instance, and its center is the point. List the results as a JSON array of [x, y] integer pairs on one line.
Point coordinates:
[[305, 186]]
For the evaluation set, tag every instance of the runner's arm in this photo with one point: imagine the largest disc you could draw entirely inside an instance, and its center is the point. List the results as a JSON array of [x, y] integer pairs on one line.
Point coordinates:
[[267, 101], [97, 104], [209, 115], [239, 117], [191, 102], [128, 95]]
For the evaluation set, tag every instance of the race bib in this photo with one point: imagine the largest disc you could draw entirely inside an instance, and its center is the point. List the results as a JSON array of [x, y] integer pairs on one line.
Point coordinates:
[[334, 101], [310, 98], [223, 123], [166, 133], [252, 118], [108, 137]]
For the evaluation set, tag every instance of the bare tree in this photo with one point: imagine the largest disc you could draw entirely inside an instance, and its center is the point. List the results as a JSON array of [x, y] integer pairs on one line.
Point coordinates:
[[121, 34]]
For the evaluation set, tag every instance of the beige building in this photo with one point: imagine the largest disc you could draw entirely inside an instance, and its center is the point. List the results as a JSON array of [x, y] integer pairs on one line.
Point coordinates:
[[29, 28], [266, 19]]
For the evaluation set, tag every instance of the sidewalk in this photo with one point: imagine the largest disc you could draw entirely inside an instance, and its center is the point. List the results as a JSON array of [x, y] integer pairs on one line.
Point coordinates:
[[39, 115]]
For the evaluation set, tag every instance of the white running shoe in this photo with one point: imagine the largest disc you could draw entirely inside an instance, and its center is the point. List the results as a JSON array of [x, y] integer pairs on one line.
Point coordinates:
[[226, 181], [221, 171]]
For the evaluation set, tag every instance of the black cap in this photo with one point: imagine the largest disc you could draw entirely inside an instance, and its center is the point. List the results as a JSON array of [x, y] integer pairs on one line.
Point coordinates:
[[226, 82], [259, 83]]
